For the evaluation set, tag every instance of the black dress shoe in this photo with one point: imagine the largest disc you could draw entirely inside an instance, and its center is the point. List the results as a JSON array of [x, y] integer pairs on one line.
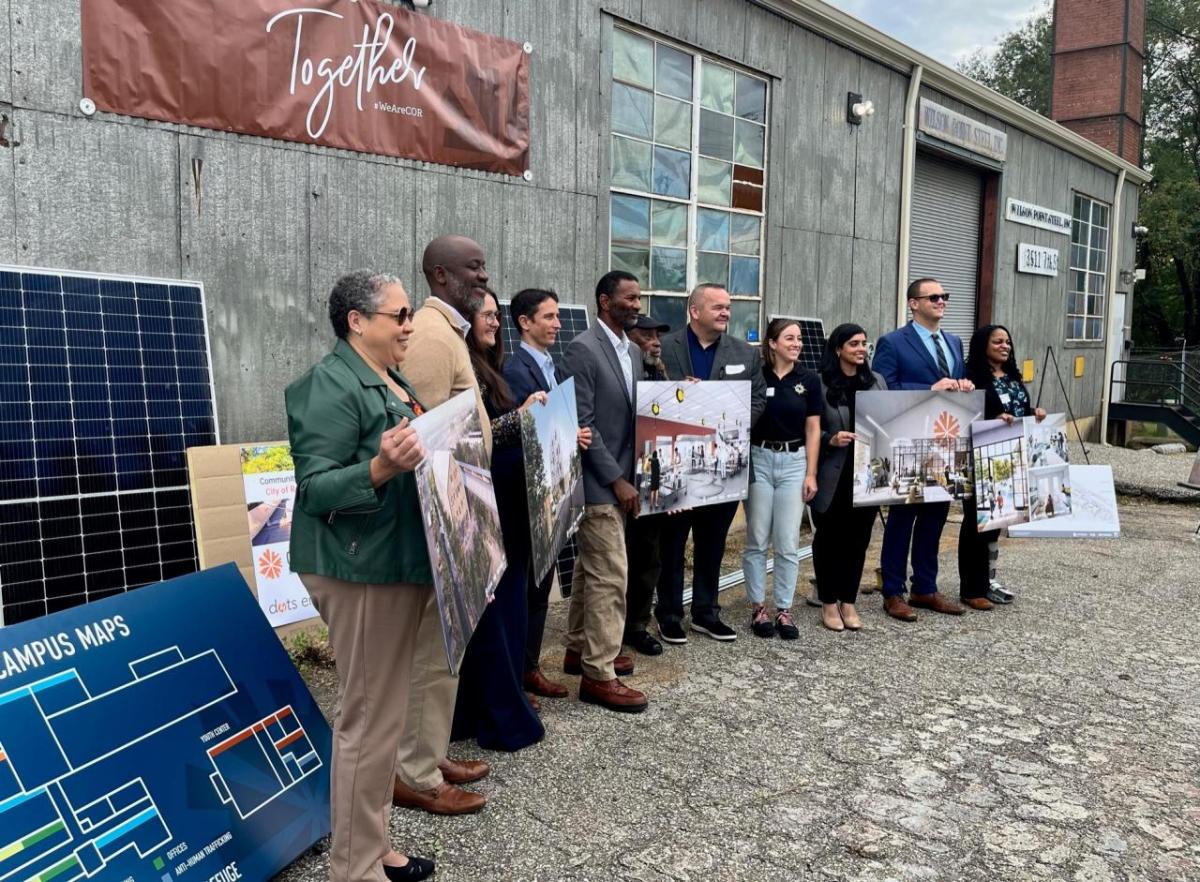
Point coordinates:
[[415, 870], [644, 643]]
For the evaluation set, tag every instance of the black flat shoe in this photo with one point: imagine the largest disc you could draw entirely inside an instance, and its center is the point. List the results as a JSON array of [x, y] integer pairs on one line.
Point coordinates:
[[415, 870], [645, 643]]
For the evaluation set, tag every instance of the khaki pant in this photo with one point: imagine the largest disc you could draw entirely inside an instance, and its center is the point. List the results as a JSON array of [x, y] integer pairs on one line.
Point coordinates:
[[372, 629], [430, 705], [596, 615]]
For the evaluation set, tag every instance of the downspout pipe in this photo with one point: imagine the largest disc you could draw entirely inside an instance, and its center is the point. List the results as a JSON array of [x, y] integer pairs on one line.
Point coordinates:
[[1115, 322], [907, 166]]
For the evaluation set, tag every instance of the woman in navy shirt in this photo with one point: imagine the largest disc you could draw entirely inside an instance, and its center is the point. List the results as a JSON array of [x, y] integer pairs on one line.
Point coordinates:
[[786, 441]]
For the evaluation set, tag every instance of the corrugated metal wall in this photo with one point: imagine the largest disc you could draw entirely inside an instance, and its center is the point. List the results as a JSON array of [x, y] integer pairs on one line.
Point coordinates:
[[267, 226]]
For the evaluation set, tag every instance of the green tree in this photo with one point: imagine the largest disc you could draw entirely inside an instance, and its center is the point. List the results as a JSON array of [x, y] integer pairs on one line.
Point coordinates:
[[1019, 67]]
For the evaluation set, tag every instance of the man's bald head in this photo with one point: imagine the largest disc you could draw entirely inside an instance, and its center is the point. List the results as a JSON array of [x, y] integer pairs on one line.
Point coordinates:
[[456, 269]]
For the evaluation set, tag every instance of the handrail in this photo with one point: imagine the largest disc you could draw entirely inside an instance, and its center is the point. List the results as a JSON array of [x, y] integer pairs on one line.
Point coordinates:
[[1179, 387]]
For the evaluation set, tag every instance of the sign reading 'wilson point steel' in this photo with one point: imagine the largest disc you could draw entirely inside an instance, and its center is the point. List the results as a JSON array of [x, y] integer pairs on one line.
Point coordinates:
[[355, 74]]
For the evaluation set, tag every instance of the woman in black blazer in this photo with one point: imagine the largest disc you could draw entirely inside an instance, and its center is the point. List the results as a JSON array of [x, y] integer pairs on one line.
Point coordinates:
[[992, 367], [843, 531]]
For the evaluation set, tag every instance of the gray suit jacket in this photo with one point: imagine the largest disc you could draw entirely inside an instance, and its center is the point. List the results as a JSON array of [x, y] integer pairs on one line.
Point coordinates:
[[833, 459], [734, 360], [605, 408]]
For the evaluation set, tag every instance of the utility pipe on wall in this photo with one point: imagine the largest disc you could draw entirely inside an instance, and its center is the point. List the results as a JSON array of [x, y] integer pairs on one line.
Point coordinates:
[[907, 167], [1115, 322]]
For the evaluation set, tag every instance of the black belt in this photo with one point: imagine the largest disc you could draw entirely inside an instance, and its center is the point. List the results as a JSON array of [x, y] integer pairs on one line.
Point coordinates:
[[781, 446]]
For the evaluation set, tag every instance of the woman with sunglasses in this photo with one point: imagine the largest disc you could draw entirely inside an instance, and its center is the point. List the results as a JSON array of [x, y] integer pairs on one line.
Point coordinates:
[[358, 545], [992, 367], [843, 531], [492, 706]]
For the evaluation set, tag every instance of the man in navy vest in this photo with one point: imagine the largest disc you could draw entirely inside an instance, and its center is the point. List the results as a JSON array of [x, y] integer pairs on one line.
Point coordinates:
[[919, 356]]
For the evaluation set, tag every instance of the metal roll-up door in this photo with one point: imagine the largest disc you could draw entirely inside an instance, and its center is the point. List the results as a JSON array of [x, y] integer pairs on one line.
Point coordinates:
[[947, 210]]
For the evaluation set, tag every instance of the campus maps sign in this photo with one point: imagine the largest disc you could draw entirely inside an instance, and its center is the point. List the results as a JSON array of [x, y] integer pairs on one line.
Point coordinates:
[[161, 734], [959, 129], [1035, 216], [357, 74]]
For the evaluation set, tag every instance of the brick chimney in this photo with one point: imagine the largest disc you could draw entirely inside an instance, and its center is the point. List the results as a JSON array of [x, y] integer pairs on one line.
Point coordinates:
[[1096, 67]]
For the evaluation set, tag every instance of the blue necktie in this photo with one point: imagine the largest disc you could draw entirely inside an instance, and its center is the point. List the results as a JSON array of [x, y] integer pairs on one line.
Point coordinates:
[[941, 356]]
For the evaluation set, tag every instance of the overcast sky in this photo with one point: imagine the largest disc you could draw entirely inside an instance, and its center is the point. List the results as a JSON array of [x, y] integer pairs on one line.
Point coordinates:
[[947, 30]]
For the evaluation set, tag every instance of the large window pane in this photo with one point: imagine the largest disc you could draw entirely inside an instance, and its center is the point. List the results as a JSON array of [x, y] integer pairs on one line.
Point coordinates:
[[672, 172], [714, 182], [751, 98], [670, 310], [1094, 330], [716, 87], [633, 260], [668, 223], [743, 275], [713, 230], [716, 135], [630, 219], [633, 58], [668, 269], [674, 72], [750, 144], [632, 111], [712, 268], [1096, 261], [630, 164], [744, 234], [672, 122], [743, 321]]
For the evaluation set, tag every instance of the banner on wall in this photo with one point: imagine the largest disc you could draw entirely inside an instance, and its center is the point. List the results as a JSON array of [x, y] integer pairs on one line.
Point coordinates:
[[355, 74]]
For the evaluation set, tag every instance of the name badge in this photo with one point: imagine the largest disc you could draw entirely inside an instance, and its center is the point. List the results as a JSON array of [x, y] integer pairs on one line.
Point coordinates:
[[770, 391], [1005, 398], [732, 370]]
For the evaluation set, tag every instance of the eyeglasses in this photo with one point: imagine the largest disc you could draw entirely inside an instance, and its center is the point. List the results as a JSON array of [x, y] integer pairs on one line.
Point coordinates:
[[490, 316], [402, 315], [934, 298]]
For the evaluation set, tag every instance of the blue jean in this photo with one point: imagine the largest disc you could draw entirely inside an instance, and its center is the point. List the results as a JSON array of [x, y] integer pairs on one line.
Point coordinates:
[[774, 509]]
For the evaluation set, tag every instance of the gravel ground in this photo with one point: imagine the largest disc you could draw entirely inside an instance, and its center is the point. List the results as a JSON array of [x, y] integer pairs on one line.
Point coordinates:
[[1053, 739], [1144, 472]]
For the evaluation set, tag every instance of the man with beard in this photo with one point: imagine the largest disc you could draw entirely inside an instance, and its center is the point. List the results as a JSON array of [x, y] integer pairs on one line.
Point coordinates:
[[439, 367], [606, 368]]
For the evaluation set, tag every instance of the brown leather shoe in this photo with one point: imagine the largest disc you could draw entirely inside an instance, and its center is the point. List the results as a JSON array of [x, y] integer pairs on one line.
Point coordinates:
[[445, 799], [573, 664], [937, 602], [896, 607], [978, 603], [463, 771], [612, 694], [539, 684]]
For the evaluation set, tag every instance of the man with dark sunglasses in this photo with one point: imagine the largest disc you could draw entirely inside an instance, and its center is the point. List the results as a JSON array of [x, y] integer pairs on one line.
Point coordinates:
[[919, 355]]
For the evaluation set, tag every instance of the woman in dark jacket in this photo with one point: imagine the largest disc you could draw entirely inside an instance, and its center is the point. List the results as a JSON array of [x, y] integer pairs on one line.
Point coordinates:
[[358, 546], [992, 367], [492, 706], [843, 531]]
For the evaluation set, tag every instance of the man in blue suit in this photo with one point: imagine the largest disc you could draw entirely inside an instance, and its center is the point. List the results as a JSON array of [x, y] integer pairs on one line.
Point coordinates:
[[919, 356]]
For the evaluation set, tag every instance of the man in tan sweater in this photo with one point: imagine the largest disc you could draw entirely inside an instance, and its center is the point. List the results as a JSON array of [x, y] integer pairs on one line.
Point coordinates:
[[439, 367]]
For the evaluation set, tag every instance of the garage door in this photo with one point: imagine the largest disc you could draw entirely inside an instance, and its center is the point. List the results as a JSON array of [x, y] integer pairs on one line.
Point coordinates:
[[946, 215]]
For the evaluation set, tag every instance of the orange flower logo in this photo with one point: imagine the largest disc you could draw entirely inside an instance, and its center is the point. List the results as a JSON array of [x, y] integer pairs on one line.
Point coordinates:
[[946, 426], [270, 564]]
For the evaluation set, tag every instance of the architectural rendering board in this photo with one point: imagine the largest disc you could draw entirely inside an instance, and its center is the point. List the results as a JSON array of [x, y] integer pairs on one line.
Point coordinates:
[[462, 523], [913, 446], [553, 474], [157, 733], [1093, 509], [693, 443], [1009, 488]]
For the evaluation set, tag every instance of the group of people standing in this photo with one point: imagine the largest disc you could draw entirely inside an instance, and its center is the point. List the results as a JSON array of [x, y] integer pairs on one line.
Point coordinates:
[[359, 548]]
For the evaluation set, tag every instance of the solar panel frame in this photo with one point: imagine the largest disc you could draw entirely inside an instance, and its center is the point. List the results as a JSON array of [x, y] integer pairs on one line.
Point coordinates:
[[98, 529], [812, 335]]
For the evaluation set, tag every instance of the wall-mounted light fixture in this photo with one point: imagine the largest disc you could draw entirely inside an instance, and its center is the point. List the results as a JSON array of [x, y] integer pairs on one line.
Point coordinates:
[[857, 109], [1139, 230], [416, 4]]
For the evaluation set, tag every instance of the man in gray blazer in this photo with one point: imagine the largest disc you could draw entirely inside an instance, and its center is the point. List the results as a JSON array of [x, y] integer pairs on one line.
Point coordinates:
[[702, 349], [606, 368]]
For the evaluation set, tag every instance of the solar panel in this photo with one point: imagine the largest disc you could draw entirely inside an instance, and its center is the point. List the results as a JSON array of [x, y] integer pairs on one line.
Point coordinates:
[[104, 382], [574, 321], [812, 336]]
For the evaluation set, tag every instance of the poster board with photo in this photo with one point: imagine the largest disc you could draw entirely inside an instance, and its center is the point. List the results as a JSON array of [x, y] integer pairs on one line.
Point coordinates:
[[460, 517], [1094, 513], [692, 443], [1009, 488], [553, 475], [914, 446]]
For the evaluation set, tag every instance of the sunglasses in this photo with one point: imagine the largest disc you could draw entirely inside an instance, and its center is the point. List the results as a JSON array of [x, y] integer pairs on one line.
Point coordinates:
[[934, 298], [401, 315]]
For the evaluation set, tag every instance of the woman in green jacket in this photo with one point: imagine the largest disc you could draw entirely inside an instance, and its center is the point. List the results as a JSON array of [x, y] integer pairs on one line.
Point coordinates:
[[357, 544]]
